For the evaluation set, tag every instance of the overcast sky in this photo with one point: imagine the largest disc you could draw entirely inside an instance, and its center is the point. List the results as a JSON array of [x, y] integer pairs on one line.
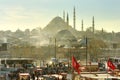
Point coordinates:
[[22, 14]]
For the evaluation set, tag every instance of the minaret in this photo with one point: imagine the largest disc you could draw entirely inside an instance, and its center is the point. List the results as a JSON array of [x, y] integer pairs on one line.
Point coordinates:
[[93, 24], [67, 19], [74, 18], [64, 15], [82, 26]]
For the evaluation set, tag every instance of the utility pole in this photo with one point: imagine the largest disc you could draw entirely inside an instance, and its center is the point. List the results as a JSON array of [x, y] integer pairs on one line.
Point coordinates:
[[93, 25], [49, 47], [86, 49], [55, 48]]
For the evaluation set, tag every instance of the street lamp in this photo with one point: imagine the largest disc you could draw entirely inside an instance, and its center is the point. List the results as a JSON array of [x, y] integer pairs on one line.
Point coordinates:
[[55, 49], [86, 49]]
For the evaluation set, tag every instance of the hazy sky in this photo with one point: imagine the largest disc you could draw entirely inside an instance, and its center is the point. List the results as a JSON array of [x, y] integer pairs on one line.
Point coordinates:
[[22, 14]]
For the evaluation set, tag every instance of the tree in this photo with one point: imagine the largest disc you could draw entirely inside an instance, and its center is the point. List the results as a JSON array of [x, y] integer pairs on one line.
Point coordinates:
[[95, 47]]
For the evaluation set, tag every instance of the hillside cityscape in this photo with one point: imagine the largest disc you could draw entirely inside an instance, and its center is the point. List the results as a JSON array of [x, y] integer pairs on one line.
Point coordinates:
[[37, 42], [59, 39]]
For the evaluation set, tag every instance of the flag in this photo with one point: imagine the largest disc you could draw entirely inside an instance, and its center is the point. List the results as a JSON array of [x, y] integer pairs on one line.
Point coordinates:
[[75, 65], [111, 65]]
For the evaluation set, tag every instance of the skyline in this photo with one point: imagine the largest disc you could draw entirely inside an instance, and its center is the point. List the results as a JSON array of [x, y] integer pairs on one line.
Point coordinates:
[[30, 14]]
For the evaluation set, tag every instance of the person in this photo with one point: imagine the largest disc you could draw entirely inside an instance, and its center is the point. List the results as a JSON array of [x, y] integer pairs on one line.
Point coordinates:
[[22, 79], [6, 76], [37, 75], [33, 76]]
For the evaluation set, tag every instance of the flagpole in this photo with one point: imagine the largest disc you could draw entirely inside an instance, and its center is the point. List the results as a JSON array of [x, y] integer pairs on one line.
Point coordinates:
[[75, 66], [73, 75], [107, 68]]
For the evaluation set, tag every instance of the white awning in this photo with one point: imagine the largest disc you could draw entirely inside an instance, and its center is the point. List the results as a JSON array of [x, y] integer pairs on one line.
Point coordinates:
[[98, 76]]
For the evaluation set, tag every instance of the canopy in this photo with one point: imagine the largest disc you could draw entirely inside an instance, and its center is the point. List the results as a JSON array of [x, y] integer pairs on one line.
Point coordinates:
[[98, 76]]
